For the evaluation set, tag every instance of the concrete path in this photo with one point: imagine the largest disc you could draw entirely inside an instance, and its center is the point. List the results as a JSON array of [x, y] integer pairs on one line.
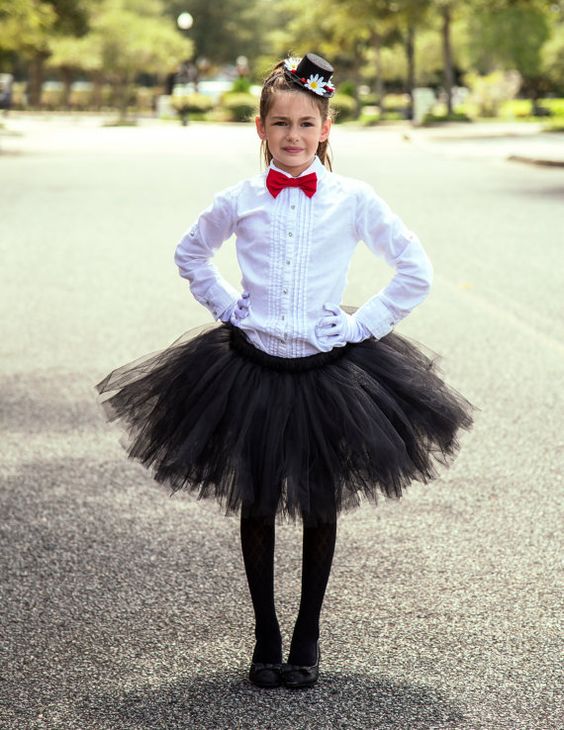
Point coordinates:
[[123, 608]]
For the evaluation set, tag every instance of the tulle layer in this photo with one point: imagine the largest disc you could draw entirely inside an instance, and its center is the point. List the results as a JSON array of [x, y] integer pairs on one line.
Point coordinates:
[[305, 437]]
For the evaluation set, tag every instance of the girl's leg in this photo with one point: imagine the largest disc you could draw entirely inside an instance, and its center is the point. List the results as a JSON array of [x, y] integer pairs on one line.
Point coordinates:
[[318, 549], [257, 542]]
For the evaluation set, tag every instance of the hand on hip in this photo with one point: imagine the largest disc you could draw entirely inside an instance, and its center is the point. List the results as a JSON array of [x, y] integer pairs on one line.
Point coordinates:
[[237, 311], [336, 328]]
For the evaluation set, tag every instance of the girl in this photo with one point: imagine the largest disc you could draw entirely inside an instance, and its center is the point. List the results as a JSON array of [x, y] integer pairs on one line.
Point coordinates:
[[292, 404]]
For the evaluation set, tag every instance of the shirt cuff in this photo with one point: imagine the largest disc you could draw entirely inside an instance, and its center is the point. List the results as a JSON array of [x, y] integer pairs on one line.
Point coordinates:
[[376, 317], [218, 299]]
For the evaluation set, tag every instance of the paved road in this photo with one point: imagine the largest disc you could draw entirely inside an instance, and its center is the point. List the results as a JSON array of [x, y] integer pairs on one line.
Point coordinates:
[[122, 608]]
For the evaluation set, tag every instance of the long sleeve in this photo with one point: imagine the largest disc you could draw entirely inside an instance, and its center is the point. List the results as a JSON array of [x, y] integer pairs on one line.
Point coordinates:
[[196, 248], [387, 236]]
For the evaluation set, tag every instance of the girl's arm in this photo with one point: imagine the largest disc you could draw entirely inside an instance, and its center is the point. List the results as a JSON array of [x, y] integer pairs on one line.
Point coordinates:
[[386, 235], [194, 252]]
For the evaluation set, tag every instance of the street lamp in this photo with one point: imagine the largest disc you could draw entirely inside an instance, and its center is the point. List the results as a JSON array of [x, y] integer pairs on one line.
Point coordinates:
[[185, 21], [242, 65], [188, 73], [187, 76]]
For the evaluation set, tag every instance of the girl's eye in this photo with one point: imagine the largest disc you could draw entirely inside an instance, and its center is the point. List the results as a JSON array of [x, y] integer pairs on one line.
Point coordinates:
[[284, 124]]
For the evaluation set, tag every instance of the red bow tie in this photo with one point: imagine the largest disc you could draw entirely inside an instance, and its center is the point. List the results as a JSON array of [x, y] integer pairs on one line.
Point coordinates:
[[276, 181]]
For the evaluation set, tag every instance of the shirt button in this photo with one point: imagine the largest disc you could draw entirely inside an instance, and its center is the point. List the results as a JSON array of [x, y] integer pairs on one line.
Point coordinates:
[[283, 317], [293, 207], [290, 234], [284, 291], [288, 262]]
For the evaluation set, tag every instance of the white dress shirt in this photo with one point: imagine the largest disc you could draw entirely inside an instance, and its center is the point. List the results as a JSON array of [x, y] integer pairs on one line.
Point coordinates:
[[294, 253]]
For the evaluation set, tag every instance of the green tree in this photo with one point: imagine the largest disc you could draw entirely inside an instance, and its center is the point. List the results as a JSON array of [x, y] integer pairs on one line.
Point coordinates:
[[446, 10], [70, 55], [384, 34], [326, 27], [412, 15], [226, 29], [510, 34], [25, 28], [385, 23], [151, 43], [28, 26], [553, 59], [352, 33]]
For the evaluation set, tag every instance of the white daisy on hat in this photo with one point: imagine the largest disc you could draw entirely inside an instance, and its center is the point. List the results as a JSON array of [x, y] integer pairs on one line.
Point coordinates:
[[312, 72]]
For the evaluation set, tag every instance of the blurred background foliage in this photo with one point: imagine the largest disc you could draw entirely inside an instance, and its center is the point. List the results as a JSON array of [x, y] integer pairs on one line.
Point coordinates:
[[124, 54]]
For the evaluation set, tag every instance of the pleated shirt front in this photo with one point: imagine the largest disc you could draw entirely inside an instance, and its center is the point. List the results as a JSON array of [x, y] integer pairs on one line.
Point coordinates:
[[294, 253]]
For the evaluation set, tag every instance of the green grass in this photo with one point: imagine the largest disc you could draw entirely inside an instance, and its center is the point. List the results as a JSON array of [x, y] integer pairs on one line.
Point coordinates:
[[521, 109], [554, 125], [456, 116], [121, 123], [517, 110]]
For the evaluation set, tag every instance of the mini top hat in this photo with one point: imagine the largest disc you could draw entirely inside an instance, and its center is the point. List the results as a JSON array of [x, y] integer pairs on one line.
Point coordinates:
[[312, 73]]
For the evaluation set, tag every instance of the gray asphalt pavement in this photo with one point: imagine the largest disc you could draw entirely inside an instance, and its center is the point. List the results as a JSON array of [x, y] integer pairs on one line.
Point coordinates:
[[123, 608]]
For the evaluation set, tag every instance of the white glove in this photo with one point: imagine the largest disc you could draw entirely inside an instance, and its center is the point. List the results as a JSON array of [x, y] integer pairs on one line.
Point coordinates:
[[237, 311], [336, 328]]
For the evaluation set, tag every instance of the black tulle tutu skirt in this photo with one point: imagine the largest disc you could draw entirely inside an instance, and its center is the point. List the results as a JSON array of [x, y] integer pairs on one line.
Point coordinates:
[[305, 437]]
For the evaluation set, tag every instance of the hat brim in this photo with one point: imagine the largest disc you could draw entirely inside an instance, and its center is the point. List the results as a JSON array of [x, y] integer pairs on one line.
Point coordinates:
[[301, 82]]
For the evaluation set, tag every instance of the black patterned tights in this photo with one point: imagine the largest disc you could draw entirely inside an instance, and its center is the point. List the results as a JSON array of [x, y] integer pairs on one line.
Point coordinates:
[[257, 542]]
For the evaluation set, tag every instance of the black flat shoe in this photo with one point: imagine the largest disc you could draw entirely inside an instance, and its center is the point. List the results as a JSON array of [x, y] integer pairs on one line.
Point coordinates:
[[297, 677], [265, 675]]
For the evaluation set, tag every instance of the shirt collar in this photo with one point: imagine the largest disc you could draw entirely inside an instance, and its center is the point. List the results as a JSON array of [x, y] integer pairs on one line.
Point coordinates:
[[316, 166]]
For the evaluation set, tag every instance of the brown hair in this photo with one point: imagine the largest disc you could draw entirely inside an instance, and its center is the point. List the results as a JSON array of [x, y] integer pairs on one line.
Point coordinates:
[[278, 81]]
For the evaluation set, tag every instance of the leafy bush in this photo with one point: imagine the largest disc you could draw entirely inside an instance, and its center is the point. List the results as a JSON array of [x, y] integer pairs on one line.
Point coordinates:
[[19, 98], [555, 106], [395, 103], [369, 100], [452, 117], [370, 116], [80, 98], [523, 108], [490, 91], [241, 85], [191, 103], [239, 107], [52, 95], [145, 98], [347, 88], [393, 116], [344, 107], [554, 125]]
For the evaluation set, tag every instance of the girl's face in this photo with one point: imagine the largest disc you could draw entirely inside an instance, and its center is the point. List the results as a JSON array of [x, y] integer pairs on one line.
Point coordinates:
[[293, 130]]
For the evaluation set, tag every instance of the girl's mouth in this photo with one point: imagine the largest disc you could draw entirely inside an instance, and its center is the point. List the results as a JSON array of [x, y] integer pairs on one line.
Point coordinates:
[[292, 149]]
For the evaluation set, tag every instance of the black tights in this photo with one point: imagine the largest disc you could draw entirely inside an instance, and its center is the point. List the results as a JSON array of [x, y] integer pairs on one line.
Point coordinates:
[[257, 542]]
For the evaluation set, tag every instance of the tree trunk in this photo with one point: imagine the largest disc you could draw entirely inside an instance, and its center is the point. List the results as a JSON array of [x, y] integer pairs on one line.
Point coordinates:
[[67, 74], [35, 80], [379, 85], [357, 79], [410, 54], [97, 91], [447, 56], [122, 91], [123, 101]]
